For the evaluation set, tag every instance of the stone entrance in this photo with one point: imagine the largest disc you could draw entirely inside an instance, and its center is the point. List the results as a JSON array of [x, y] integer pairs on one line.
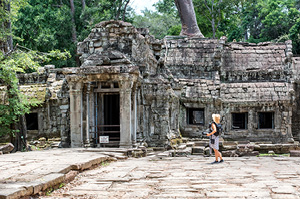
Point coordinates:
[[102, 105], [107, 116]]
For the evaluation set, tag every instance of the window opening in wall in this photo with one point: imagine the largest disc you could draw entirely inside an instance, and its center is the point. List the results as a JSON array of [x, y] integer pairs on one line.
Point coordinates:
[[32, 121], [266, 120], [116, 85], [195, 116], [239, 120], [105, 85]]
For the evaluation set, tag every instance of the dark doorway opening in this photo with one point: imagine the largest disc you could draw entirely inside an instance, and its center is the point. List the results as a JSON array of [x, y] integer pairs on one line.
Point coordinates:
[[266, 120], [109, 128], [32, 121], [239, 120]]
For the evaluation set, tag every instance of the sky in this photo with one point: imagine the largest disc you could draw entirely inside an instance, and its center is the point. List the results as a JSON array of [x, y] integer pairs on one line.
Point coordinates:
[[140, 5]]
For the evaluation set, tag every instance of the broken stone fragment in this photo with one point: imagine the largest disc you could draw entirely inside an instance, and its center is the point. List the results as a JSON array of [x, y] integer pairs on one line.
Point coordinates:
[[6, 148]]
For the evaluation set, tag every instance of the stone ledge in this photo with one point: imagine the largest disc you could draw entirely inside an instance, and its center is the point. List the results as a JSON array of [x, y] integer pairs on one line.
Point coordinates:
[[14, 190]]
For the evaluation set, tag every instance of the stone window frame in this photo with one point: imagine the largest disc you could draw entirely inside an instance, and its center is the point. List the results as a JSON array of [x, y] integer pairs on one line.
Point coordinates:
[[264, 113], [189, 114], [246, 119]]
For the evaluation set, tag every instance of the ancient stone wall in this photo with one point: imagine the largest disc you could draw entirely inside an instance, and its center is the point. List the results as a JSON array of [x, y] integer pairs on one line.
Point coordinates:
[[296, 107], [50, 90], [233, 78], [116, 51], [170, 87]]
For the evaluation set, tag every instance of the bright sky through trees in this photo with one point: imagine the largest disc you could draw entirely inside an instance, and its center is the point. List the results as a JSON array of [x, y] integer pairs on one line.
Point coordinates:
[[140, 5]]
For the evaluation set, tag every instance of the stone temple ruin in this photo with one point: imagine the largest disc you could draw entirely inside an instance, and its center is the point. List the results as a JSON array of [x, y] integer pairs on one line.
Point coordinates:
[[133, 88]]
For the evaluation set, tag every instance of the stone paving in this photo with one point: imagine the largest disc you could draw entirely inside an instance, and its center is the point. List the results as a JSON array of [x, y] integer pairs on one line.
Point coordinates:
[[189, 177], [23, 174], [148, 177]]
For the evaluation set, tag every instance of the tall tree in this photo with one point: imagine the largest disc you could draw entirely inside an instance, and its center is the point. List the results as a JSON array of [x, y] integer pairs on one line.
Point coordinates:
[[83, 4], [72, 9], [6, 41], [215, 15]]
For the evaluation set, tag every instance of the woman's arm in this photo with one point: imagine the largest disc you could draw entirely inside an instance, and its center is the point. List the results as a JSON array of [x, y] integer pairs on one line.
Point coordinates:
[[214, 129]]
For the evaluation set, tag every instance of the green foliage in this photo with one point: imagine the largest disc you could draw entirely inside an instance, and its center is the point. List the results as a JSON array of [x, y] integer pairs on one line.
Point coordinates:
[[236, 34], [100, 10], [174, 30], [158, 24], [45, 27], [166, 7], [278, 16], [294, 34]]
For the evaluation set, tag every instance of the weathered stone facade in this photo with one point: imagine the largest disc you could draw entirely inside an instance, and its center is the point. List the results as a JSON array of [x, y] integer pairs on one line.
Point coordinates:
[[152, 90]]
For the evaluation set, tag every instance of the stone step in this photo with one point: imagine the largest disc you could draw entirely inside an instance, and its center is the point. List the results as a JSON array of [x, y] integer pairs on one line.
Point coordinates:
[[185, 140], [295, 153], [185, 152], [181, 147], [164, 154], [190, 144], [196, 150], [201, 143]]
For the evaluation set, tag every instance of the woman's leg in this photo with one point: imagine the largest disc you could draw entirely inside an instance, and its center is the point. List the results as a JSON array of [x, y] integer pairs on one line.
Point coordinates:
[[216, 154], [220, 155]]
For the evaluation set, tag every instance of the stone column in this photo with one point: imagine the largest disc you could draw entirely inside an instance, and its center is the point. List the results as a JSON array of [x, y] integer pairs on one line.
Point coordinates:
[[134, 119], [125, 114], [75, 114], [87, 140]]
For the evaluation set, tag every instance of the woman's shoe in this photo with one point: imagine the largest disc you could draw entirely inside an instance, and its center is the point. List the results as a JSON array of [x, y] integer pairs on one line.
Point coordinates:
[[214, 162], [221, 161]]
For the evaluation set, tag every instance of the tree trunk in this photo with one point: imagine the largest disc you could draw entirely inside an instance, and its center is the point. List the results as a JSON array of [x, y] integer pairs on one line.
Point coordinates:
[[213, 27], [74, 35], [188, 18], [83, 4], [9, 37], [7, 44], [124, 13], [118, 9], [20, 128]]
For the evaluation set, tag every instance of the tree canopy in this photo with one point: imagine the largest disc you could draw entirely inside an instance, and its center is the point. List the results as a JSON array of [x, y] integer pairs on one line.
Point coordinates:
[[54, 24]]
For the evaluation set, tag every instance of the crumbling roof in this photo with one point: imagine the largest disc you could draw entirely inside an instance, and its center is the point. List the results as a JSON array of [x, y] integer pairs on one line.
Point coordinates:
[[34, 92], [256, 92], [239, 56], [37, 93]]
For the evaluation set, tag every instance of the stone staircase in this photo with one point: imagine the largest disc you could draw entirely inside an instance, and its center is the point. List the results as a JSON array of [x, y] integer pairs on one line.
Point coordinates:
[[230, 148]]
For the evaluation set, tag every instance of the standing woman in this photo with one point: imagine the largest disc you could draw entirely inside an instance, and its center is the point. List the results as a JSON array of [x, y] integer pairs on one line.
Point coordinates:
[[214, 141]]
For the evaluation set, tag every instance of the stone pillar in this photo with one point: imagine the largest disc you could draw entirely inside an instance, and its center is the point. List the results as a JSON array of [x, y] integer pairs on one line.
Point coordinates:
[[134, 119], [125, 115], [75, 114], [87, 140]]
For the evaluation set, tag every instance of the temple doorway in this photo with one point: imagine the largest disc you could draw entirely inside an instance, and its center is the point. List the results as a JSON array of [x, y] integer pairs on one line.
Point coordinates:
[[108, 119]]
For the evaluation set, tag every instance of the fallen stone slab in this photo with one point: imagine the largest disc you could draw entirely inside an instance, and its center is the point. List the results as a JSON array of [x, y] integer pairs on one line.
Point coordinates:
[[44, 171], [7, 148], [197, 150], [295, 153], [12, 191], [164, 154], [190, 144]]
